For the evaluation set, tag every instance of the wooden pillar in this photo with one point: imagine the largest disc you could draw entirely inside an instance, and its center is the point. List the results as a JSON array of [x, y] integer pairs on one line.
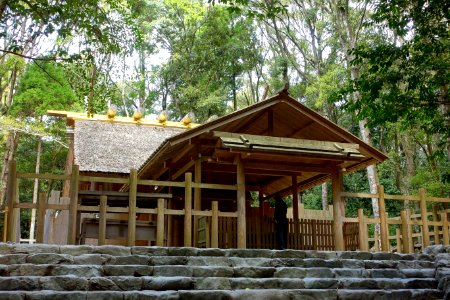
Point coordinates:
[[241, 224], [404, 216], [73, 206], [259, 224], [399, 240], [424, 217], [435, 227], [215, 225], [160, 222], [363, 245], [197, 196], [445, 230], [338, 213], [41, 218], [11, 199], [295, 203], [102, 220], [188, 210], [132, 208], [383, 220]]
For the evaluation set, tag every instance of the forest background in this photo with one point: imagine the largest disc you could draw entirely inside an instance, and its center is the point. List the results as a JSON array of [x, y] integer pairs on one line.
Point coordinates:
[[379, 69]]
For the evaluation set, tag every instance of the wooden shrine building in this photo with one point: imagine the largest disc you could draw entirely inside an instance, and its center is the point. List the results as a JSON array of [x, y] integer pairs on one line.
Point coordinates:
[[277, 146]]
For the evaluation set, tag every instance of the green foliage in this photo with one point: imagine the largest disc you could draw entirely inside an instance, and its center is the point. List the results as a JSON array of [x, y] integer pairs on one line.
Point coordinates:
[[43, 86], [406, 78], [210, 49]]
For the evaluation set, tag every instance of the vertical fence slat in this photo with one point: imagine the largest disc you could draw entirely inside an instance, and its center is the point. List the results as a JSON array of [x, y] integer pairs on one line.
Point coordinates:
[[73, 206], [362, 231], [132, 208], [435, 227], [383, 221], [41, 218], [102, 220], [445, 230], [215, 225], [160, 222], [424, 217], [188, 210]]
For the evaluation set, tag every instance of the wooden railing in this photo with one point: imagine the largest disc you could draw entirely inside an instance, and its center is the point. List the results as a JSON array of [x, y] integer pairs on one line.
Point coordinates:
[[14, 205], [405, 239]]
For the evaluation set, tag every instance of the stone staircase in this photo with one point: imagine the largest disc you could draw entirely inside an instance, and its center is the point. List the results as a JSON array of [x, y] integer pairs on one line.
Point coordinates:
[[128, 273]]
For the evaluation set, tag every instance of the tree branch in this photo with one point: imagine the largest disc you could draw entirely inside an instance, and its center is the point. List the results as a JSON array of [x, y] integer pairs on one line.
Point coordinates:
[[35, 58]]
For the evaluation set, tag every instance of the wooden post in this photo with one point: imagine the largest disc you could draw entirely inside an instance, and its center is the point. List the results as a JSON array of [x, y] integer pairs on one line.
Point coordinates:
[[363, 246], [41, 218], [188, 210], [404, 215], [102, 220], [336, 178], [295, 204], [424, 217], [73, 206], [11, 199], [132, 208], [436, 228], [197, 196], [215, 225], [383, 220], [399, 241], [376, 241], [160, 222], [259, 223], [241, 223], [445, 231]]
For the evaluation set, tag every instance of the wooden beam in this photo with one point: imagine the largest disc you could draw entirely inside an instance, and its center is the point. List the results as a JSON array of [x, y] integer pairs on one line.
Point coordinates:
[[41, 218], [292, 167], [215, 225], [298, 131], [241, 222], [295, 203], [132, 208], [183, 169], [383, 220], [188, 210], [102, 220], [73, 206], [424, 217], [197, 196], [160, 222], [182, 153], [336, 177], [251, 121]]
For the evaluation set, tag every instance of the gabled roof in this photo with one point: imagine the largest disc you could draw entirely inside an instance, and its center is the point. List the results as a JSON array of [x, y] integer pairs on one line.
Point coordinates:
[[279, 116]]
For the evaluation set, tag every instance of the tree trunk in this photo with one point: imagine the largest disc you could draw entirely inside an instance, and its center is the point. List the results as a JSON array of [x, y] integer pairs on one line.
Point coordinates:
[[10, 151], [35, 189], [324, 196]]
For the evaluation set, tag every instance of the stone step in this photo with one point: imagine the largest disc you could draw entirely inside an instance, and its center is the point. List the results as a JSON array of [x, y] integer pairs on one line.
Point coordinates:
[[28, 269], [6, 248], [331, 294], [123, 283], [106, 259]]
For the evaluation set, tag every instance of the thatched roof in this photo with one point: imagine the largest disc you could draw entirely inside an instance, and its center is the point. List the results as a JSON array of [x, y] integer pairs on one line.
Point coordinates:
[[116, 147]]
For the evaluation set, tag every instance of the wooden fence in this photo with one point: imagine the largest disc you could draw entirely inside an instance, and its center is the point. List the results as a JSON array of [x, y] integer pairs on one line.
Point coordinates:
[[412, 232], [409, 231], [14, 205]]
